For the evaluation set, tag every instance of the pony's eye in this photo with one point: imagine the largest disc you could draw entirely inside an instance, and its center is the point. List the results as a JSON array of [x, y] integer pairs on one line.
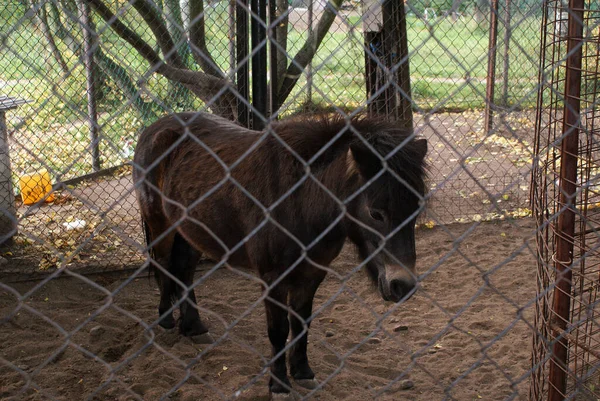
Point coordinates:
[[376, 215]]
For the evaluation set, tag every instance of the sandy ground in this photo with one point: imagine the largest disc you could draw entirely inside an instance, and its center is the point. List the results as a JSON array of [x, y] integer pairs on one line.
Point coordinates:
[[466, 334]]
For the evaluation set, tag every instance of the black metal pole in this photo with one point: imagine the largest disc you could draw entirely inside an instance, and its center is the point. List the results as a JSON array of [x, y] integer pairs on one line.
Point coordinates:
[[89, 44], [258, 35], [241, 27], [273, 59]]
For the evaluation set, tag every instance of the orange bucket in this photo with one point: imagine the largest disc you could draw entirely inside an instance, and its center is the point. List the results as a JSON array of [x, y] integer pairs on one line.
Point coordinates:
[[35, 186]]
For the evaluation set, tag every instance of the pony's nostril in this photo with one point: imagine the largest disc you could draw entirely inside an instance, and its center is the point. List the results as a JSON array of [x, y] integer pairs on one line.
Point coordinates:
[[400, 288]]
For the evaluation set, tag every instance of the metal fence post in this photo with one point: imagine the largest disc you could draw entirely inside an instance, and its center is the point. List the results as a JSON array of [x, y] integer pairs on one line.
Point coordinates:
[[258, 34], [561, 302], [89, 46], [491, 72], [242, 73]]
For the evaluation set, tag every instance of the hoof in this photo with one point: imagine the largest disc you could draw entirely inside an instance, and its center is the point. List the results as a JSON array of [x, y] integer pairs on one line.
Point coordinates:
[[204, 338], [282, 397], [167, 322], [310, 384]]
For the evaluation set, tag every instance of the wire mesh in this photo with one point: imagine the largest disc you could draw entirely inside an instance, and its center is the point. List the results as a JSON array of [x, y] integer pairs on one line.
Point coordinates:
[[86, 326], [576, 376]]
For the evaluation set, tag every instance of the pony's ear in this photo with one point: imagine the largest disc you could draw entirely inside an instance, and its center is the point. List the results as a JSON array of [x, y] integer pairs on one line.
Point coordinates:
[[367, 162], [421, 148]]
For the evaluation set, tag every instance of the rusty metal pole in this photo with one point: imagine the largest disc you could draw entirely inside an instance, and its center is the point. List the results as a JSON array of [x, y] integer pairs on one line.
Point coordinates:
[[491, 72], [561, 302]]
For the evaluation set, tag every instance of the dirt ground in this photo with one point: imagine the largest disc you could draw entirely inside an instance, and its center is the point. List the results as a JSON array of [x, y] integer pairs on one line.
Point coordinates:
[[465, 335]]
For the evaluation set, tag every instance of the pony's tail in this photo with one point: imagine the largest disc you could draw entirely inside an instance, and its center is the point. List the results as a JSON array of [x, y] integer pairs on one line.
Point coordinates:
[[148, 239]]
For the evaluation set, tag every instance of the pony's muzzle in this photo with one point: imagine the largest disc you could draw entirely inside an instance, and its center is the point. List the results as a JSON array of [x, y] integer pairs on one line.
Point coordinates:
[[401, 289], [399, 283]]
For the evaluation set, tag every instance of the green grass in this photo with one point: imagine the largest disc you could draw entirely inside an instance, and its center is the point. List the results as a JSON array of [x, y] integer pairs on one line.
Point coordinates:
[[440, 58]]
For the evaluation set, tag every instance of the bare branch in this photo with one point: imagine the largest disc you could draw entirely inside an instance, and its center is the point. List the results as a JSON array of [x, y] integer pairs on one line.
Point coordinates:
[[160, 31], [125, 33], [308, 50], [203, 85], [281, 32], [197, 31], [43, 19]]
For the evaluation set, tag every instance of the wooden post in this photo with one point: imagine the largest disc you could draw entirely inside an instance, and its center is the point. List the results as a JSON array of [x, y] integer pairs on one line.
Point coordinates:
[[8, 212], [387, 73]]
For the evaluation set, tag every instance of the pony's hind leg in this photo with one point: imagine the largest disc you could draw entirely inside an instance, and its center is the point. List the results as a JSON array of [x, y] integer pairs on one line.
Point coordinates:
[[161, 256], [300, 300], [184, 259]]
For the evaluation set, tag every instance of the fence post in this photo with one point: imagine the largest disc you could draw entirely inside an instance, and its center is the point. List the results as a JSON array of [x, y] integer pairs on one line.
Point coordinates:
[[8, 226], [242, 73], [387, 72], [8, 212], [491, 72], [258, 34], [561, 302], [89, 46], [507, 35], [272, 35]]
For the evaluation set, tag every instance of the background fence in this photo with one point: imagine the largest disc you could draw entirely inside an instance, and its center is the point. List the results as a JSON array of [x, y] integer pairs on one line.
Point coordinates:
[[449, 57], [472, 318]]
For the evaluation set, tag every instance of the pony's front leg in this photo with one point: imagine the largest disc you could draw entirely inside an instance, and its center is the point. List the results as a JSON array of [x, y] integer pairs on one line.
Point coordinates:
[[278, 330], [301, 297]]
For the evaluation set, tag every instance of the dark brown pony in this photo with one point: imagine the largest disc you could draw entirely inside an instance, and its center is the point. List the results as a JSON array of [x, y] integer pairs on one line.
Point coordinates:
[[208, 186]]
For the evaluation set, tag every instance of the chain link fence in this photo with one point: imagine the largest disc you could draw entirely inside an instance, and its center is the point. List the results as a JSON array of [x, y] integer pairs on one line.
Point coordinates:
[[78, 312]]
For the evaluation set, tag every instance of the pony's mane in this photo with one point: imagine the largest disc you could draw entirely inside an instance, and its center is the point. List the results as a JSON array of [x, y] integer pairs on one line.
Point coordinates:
[[401, 149]]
